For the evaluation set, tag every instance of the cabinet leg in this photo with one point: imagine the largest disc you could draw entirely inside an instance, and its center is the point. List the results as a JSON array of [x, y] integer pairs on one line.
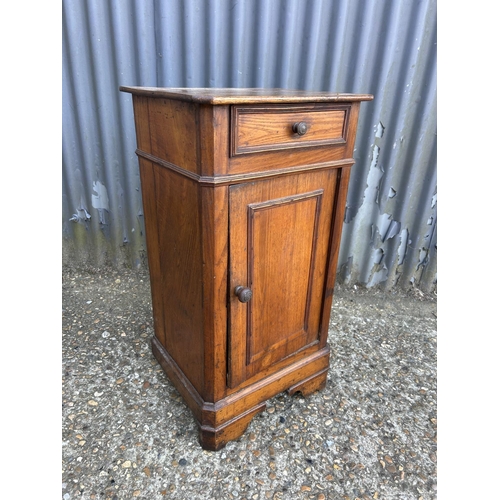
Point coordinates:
[[215, 438], [310, 385]]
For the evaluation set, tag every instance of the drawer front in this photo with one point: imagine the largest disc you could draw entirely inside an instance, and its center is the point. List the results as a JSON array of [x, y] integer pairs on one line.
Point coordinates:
[[267, 128]]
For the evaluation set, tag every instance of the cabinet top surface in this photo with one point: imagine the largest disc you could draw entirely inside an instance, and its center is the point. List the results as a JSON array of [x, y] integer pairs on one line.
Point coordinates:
[[244, 95]]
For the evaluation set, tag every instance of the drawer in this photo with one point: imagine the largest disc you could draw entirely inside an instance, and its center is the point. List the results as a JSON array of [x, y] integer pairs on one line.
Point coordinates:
[[274, 127]]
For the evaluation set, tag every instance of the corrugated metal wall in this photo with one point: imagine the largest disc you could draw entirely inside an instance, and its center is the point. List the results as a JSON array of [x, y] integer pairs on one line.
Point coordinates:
[[383, 47]]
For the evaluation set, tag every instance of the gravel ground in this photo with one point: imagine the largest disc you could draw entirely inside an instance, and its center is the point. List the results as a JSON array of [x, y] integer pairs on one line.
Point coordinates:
[[126, 432]]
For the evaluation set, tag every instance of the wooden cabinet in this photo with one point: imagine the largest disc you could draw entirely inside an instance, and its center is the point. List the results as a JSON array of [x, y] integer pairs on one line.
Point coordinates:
[[244, 193]]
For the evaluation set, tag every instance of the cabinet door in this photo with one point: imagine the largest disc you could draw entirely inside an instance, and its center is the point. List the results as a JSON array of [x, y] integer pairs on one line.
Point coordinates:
[[279, 233]]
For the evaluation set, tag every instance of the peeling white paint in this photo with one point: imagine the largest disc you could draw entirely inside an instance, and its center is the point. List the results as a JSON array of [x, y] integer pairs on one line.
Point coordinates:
[[376, 152], [422, 257], [404, 239], [387, 228], [100, 200], [434, 200], [81, 214], [378, 255], [379, 132]]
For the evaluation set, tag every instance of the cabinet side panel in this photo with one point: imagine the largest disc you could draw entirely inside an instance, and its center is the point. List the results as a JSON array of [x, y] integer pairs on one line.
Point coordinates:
[[352, 129], [146, 169], [141, 117], [174, 135], [333, 254], [179, 239]]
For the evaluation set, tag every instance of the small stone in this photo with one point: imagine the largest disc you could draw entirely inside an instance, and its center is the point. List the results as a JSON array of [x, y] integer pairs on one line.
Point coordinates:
[[272, 475], [147, 471], [388, 459], [321, 496], [391, 468], [127, 464], [119, 381], [271, 409], [328, 422], [105, 334], [282, 420], [182, 461], [305, 487], [136, 493], [433, 457], [146, 385], [272, 452], [329, 477], [252, 436], [118, 281], [92, 403]]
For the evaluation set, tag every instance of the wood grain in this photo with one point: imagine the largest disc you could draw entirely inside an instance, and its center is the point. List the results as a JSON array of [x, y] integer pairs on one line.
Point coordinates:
[[279, 232], [214, 224], [174, 136], [231, 197], [224, 96], [257, 129], [181, 272]]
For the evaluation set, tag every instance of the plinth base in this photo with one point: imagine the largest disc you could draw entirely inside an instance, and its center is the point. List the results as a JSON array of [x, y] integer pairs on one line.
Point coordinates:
[[227, 419]]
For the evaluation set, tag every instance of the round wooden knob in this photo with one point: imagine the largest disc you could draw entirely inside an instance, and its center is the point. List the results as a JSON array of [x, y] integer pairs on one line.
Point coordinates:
[[299, 128], [244, 294]]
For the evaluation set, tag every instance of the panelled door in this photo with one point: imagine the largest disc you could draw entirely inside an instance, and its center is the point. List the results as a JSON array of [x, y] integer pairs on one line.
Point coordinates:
[[279, 231]]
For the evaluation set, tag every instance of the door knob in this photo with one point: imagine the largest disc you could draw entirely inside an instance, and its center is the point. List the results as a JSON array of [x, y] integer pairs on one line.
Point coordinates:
[[244, 294], [299, 128]]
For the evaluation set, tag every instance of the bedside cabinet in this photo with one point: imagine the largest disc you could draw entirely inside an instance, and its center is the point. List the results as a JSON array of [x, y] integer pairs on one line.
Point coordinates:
[[244, 193]]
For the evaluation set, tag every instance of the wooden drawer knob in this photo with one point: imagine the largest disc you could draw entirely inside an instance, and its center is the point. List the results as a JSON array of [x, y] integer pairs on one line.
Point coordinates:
[[244, 294], [299, 128]]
